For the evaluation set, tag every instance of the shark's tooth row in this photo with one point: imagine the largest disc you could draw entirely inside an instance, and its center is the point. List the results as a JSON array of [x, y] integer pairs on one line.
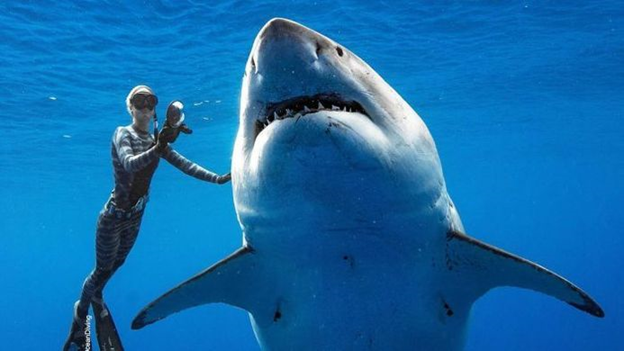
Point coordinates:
[[320, 107], [306, 109]]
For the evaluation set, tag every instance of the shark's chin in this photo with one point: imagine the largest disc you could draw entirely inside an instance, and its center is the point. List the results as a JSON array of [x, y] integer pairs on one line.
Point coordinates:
[[323, 140]]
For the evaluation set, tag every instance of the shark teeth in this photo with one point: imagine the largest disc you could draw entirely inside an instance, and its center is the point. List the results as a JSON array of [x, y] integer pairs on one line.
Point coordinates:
[[301, 106]]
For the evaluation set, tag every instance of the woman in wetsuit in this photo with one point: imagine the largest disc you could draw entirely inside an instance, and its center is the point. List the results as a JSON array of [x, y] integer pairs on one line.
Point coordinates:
[[135, 158]]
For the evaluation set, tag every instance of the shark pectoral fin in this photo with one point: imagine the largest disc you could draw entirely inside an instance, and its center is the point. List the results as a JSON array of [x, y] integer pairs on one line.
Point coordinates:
[[484, 267], [230, 281]]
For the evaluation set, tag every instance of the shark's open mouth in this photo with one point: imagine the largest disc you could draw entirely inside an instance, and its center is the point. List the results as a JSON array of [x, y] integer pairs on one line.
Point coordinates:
[[300, 106]]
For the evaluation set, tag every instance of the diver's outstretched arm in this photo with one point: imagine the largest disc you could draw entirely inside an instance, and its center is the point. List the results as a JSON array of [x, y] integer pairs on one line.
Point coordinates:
[[193, 169]]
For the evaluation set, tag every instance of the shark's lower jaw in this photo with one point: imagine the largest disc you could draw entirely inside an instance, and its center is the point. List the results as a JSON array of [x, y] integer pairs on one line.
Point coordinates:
[[300, 106]]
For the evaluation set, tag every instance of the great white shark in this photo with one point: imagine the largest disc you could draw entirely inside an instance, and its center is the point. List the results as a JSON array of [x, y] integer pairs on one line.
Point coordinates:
[[350, 238]]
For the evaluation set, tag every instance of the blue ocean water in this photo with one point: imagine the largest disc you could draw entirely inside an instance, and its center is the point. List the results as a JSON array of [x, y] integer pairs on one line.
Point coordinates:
[[524, 99]]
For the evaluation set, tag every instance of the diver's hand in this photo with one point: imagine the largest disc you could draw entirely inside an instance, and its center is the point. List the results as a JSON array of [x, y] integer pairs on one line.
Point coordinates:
[[167, 136], [224, 178]]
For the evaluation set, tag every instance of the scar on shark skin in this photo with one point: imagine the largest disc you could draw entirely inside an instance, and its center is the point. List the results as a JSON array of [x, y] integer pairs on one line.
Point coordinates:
[[278, 311], [277, 316], [449, 311], [350, 260]]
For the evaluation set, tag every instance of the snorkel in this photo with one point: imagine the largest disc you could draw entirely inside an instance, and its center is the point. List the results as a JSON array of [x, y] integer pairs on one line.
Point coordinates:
[[155, 127]]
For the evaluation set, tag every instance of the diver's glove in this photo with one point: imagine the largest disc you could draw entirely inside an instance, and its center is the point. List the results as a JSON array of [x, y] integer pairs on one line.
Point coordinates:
[[224, 178], [167, 136]]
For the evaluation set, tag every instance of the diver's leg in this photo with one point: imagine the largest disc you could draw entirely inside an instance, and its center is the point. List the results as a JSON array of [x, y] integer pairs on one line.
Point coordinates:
[[128, 233], [128, 238], [107, 335], [107, 241], [107, 244]]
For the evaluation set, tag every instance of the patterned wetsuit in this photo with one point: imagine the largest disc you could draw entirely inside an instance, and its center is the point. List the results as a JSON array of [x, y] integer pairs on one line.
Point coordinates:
[[135, 158]]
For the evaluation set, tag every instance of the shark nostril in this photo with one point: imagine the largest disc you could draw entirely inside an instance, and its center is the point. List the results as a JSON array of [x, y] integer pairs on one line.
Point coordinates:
[[253, 63], [318, 48], [339, 51]]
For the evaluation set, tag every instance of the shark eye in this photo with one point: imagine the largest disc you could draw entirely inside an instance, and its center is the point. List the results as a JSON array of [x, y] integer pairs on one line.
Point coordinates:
[[339, 51]]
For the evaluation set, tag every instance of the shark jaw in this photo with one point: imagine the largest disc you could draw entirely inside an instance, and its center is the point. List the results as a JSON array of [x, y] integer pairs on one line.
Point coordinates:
[[341, 125], [299, 107]]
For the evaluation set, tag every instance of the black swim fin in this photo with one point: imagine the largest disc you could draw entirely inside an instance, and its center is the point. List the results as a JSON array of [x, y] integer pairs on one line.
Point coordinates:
[[79, 338], [76, 341], [107, 335]]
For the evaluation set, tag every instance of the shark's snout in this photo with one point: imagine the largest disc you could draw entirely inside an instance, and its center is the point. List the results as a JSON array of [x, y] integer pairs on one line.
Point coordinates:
[[279, 27], [294, 37], [284, 47]]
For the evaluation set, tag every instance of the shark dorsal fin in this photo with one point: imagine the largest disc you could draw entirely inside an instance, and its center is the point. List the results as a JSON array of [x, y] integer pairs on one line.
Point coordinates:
[[235, 280], [482, 267]]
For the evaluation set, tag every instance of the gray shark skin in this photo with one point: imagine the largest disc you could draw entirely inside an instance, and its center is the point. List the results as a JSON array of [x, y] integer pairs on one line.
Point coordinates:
[[350, 238]]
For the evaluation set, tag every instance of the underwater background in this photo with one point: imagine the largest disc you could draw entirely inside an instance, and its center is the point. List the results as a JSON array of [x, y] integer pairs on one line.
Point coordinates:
[[525, 100]]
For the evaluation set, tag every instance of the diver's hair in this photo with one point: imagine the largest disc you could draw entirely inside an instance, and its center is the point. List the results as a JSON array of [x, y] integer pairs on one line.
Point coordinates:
[[134, 91]]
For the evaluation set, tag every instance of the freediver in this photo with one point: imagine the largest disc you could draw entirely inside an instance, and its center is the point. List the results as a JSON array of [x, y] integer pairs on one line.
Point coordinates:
[[135, 155]]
